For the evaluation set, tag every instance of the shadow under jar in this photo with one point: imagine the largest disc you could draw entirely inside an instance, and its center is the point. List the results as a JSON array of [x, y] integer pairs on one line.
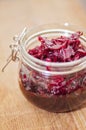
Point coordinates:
[[40, 85]]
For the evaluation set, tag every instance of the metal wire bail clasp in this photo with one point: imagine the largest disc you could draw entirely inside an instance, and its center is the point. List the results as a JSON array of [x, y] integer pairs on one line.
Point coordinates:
[[15, 48]]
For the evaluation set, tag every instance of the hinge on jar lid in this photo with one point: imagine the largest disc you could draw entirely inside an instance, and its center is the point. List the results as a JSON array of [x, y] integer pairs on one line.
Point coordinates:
[[15, 48]]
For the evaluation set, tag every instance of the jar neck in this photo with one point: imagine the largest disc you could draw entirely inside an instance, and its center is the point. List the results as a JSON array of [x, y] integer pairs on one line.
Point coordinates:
[[42, 66], [28, 38]]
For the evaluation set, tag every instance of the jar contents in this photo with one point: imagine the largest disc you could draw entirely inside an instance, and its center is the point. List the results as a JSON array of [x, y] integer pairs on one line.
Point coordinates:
[[56, 93], [61, 49]]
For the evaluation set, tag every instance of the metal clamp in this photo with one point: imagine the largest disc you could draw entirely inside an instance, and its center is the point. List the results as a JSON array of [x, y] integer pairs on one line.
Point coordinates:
[[15, 48]]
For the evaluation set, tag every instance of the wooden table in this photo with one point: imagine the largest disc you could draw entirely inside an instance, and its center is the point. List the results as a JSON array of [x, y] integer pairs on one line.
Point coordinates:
[[16, 113]]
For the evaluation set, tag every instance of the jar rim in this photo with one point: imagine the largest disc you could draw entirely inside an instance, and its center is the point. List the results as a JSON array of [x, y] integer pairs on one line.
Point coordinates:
[[45, 63]]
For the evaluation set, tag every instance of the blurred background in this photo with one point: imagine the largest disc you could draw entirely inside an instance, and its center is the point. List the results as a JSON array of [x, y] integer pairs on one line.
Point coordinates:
[[14, 16]]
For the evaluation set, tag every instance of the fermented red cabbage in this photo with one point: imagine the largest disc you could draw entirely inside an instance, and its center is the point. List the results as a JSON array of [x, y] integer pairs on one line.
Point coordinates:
[[60, 49]]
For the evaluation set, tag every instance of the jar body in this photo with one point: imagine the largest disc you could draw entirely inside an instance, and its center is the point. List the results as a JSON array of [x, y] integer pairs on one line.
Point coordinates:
[[56, 87], [35, 87]]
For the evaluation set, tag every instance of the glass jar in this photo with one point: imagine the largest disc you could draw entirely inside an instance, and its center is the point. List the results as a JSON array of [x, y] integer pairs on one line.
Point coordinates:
[[41, 85]]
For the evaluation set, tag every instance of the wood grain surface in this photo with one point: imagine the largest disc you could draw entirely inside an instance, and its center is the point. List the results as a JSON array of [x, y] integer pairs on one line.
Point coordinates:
[[16, 113]]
